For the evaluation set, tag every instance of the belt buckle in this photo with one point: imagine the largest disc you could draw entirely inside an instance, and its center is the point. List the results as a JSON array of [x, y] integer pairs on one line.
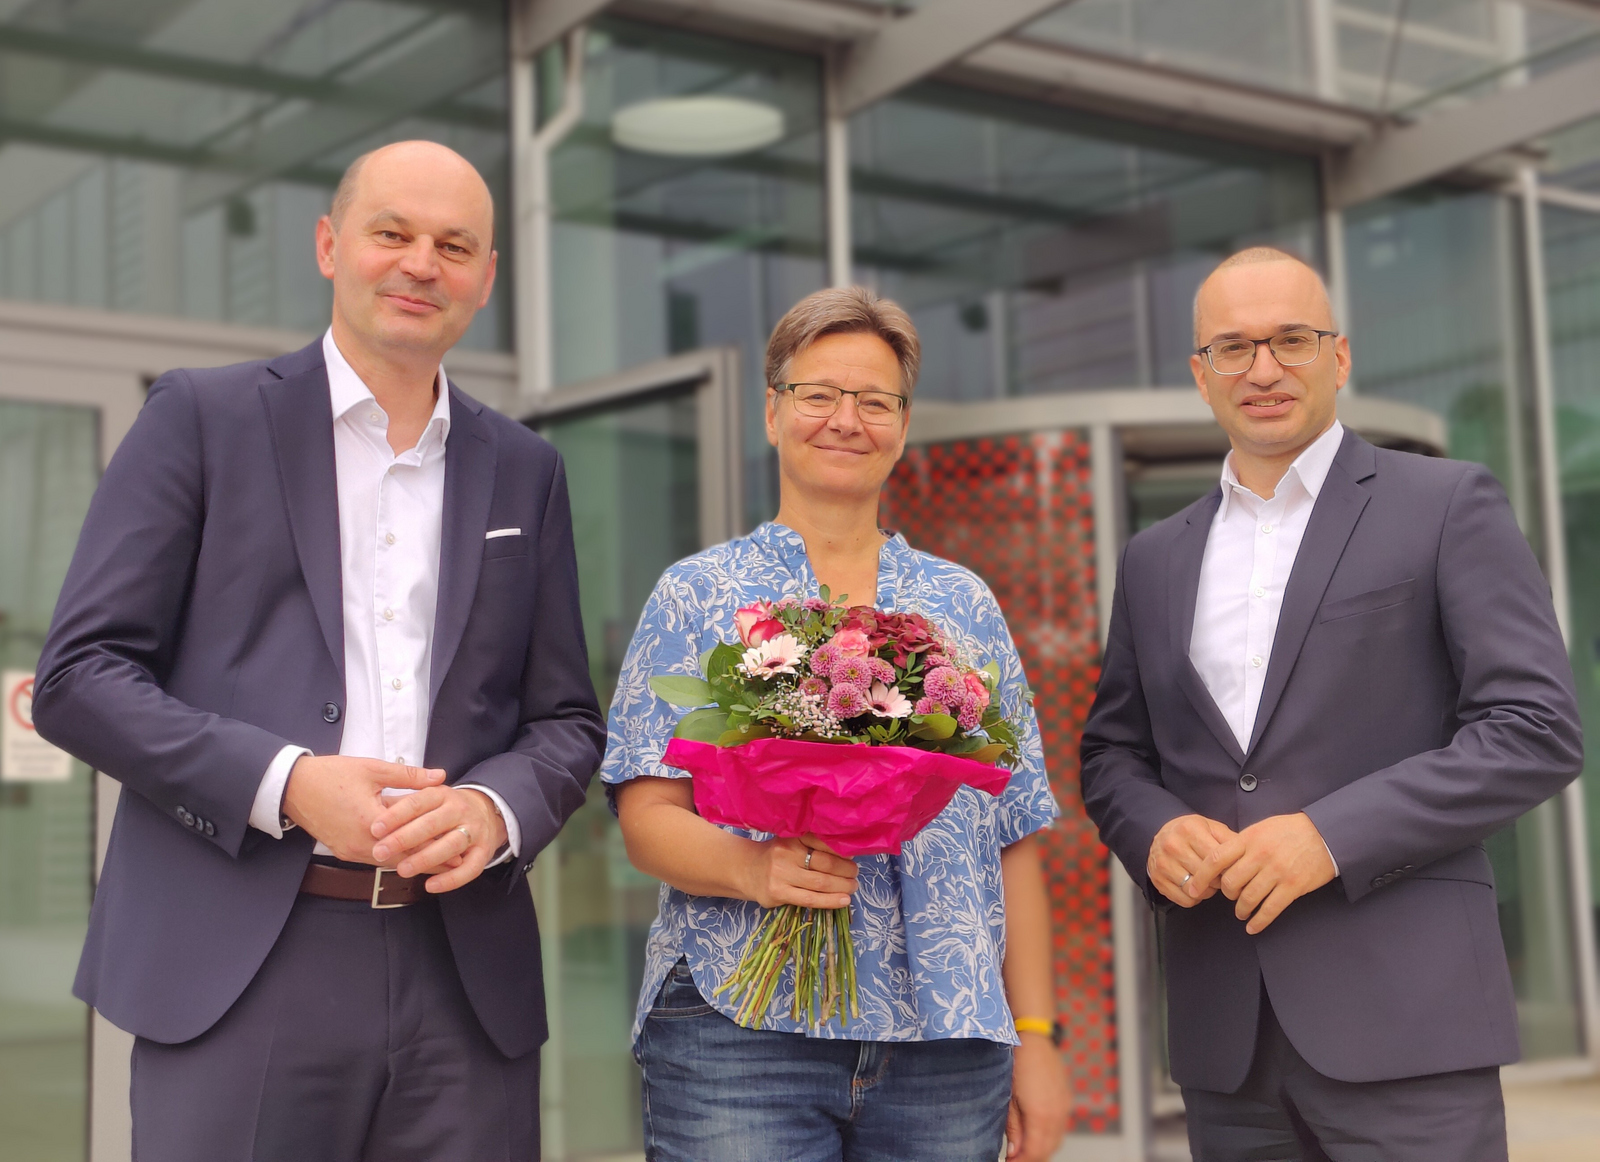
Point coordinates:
[[377, 888]]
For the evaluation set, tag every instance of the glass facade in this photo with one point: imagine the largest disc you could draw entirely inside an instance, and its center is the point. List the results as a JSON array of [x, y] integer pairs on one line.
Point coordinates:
[[1041, 250], [49, 466], [658, 249], [169, 157]]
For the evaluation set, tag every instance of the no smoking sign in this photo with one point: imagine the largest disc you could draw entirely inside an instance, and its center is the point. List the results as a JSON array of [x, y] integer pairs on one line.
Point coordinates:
[[24, 756]]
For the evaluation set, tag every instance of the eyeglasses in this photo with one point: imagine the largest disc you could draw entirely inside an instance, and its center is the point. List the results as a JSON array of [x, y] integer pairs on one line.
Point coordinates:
[[822, 400], [1290, 348]]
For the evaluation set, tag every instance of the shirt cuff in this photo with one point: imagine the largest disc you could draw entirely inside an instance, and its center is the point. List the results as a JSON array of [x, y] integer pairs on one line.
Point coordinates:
[[513, 847], [1331, 859], [266, 813]]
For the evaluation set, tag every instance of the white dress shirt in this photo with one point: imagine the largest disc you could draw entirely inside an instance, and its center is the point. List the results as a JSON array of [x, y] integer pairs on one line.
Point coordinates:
[[391, 511], [1250, 553]]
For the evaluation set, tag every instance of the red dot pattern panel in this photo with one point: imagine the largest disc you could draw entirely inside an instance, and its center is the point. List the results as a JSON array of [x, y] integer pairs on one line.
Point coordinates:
[[1018, 511]]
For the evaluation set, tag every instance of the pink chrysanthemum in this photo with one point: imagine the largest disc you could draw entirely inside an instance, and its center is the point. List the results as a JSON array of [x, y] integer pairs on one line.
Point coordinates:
[[929, 706], [814, 604], [822, 659], [971, 716], [933, 659], [882, 671], [851, 671], [813, 687], [944, 684], [847, 701]]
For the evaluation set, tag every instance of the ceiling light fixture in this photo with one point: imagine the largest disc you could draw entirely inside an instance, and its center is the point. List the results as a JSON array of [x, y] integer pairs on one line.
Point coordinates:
[[709, 125]]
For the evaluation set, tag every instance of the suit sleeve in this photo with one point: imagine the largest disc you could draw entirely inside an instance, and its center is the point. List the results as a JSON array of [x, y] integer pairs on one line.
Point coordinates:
[[545, 776], [1120, 769], [1517, 740], [98, 691]]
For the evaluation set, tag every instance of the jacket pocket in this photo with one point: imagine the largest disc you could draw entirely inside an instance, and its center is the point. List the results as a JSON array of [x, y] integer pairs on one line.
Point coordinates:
[[513, 546], [1369, 602]]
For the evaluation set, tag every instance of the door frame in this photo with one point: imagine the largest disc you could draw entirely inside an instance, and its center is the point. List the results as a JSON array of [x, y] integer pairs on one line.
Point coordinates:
[[712, 374]]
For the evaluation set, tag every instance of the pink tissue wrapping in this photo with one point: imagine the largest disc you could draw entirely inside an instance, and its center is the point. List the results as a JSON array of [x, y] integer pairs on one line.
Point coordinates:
[[859, 799]]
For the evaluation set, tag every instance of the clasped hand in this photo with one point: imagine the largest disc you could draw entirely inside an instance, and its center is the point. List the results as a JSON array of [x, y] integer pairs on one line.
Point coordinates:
[[446, 833], [1263, 869]]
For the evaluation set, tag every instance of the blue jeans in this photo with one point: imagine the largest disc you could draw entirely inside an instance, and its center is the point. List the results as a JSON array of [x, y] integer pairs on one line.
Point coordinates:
[[714, 1092]]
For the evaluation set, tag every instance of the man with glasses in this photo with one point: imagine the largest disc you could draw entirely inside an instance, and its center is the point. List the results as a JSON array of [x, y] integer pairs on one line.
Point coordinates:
[[1326, 683]]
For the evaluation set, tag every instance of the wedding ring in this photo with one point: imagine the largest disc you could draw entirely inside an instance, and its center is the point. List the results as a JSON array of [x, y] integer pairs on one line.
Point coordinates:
[[1185, 880], [467, 833], [809, 854]]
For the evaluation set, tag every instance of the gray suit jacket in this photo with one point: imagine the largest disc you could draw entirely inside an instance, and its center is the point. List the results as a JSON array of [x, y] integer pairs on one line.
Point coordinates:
[[200, 630], [1418, 699]]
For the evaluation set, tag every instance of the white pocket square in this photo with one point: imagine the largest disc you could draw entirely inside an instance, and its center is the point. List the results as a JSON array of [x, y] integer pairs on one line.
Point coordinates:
[[493, 533]]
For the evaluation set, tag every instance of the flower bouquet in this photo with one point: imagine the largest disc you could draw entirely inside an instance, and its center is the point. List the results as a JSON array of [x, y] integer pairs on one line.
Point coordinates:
[[849, 723]]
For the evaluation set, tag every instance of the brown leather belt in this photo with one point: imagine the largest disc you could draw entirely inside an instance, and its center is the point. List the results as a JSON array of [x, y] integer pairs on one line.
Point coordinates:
[[380, 887]]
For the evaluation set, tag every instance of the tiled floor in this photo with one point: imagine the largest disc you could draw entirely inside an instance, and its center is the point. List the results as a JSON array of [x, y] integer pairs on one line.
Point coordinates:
[[1557, 1121], [1554, 1121]]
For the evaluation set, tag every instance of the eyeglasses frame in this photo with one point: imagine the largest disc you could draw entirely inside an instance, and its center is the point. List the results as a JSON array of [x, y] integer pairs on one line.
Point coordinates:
[[905, 403], [1321, 335]]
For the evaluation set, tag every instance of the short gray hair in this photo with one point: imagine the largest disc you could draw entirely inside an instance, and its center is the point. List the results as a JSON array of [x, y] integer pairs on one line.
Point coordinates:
[[345, 192], [844, 311]]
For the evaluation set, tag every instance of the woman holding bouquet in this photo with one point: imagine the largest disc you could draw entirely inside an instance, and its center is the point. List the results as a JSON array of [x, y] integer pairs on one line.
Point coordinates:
[[951, 1044]]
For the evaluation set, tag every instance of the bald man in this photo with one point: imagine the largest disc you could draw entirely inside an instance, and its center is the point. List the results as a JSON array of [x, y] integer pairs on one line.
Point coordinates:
[[322, 625], [1326, 684]]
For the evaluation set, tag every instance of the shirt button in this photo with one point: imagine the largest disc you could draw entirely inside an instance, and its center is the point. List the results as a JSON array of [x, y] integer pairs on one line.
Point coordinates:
[[1255, 661], [388, 615], [376, 418], [1266, 528], [396, 683], [1260, 592], [388, 538]]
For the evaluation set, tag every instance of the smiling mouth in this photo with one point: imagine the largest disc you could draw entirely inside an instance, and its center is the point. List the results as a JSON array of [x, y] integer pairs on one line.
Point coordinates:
[[1267, 402]]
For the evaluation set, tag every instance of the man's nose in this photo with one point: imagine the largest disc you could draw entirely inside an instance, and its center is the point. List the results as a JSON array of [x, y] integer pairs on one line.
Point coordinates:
[[1265, 368], [419, 260]]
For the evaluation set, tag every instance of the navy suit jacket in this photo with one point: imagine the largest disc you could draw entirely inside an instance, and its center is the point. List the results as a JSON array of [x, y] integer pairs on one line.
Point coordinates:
[[199, 631], [1418, 699]]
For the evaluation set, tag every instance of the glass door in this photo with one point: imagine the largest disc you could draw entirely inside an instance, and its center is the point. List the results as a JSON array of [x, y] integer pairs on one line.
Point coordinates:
[[648, 461], [49, 466]]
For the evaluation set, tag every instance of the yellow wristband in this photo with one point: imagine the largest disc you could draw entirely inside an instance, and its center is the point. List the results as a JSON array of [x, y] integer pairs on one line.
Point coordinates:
[[1034, 1025]]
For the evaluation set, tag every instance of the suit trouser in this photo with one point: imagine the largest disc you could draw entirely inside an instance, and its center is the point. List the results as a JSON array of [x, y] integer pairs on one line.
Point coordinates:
[[354, 1043], [1288, 1112]]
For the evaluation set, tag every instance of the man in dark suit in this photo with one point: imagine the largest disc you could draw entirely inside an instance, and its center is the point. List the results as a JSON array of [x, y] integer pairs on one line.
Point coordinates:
[[1326, 683], [323, 618]]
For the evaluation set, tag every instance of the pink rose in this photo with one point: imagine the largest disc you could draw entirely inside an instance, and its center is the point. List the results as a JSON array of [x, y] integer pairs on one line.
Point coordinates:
[[765, 631], [852, 643], [977, 691], [749, 617]]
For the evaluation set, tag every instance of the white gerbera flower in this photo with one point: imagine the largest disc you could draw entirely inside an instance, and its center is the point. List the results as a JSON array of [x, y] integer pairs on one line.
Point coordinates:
[[887, 701], [778, 655]]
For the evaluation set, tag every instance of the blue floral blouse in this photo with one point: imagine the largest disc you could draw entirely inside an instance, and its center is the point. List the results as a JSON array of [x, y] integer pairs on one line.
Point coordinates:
[[929, 924]]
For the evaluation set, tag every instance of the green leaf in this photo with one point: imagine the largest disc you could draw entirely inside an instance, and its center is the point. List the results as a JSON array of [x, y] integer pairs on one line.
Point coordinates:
[[993, 670], [681, 689], [720, 659], [935, 726], [743, 734], [990, 754], [706, 725]]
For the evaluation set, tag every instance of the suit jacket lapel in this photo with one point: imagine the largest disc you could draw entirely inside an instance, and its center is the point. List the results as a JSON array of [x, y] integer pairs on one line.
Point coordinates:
[[300, 418], [1183, 580], [1333, 518], [469, 467]]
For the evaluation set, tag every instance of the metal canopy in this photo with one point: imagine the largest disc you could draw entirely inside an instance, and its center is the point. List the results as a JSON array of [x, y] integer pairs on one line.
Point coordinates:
[[1448, 141], [923, 42]]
